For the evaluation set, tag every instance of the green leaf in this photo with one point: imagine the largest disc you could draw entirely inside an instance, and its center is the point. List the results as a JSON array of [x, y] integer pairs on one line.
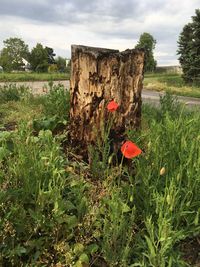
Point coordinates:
[[125, 208], [69, 205], [150, 246], [93, 248], [84, 258], [196, 219], [20, 250], [4, 135], [78, 248], [78, 264], [72, 221], [3, 153]]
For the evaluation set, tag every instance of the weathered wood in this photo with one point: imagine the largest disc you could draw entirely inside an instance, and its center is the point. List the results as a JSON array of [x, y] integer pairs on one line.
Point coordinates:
[[98, 76]]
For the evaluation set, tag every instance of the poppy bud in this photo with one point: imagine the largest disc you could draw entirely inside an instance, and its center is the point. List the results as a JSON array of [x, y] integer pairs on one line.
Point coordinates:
[[162, 171], [131, 198]]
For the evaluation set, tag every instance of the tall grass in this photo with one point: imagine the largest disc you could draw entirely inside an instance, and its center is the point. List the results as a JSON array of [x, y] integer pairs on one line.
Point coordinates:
[[27, 76], [169, 203], [12, 92], [172, 83], [39, 200], [57, 210]]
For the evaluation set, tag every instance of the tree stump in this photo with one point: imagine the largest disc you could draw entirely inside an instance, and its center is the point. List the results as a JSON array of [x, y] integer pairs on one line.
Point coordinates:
[[98, 76]]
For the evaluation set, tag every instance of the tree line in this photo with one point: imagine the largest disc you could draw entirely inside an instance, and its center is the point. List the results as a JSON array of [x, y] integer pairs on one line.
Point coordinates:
[[42, 58], [15, 55]]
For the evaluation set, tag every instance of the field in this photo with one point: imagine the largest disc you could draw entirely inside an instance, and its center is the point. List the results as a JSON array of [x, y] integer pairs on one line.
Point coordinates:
[[172, 83], [32, 76], [57, 210]]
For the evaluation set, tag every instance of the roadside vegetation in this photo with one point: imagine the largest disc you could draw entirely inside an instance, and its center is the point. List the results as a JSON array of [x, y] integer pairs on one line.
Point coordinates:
[[33, 76], [57, 210], [172, 83]]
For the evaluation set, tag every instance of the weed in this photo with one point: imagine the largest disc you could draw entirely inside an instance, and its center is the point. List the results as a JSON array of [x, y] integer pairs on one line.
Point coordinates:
[[40, 202], [56, 211], [55, 106], [11, 92], [15, 77], [56, 102]]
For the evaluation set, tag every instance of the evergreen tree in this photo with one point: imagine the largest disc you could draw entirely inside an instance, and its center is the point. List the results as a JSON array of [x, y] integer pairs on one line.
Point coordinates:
[[189, 49], [147, 42], [185, 51], [50, 54]]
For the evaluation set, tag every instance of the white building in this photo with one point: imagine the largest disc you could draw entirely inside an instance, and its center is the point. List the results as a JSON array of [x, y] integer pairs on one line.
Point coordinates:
[[26, 65], [67, 62]]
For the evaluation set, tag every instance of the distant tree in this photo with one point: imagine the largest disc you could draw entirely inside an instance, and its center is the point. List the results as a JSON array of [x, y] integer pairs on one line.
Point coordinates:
[[189, 49], [147, 42], [11, 55], [41, 58], [50, 54], [5, 61], [61, 64], [184, 50]]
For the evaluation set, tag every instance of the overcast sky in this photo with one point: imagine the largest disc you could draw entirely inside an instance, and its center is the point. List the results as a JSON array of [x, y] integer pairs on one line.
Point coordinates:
[[105, 23]]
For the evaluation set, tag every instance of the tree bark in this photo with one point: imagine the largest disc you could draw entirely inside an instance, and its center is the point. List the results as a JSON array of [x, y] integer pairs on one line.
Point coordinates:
[[98, 76]]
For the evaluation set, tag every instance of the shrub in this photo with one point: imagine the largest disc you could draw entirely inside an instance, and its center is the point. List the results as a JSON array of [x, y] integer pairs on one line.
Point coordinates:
[[12, 92], [52, 68], [55, 108]]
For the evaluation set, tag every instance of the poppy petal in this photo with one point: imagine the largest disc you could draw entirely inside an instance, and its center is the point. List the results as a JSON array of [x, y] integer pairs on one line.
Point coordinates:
[[130, 150], [112, 106]]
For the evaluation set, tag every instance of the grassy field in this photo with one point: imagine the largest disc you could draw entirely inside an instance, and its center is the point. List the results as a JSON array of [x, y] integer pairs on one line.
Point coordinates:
[[172, 83], [57, 210], [28, 76]]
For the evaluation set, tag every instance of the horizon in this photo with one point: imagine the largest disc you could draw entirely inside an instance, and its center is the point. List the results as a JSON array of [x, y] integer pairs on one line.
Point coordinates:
[[110, 24]]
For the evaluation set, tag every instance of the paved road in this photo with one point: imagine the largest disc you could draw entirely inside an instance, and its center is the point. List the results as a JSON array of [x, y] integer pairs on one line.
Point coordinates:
[[153, 97], [147, 95]]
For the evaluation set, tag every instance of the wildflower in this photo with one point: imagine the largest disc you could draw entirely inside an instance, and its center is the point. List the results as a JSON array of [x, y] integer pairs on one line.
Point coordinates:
[[130, 150], [112, 106], [162, 171]]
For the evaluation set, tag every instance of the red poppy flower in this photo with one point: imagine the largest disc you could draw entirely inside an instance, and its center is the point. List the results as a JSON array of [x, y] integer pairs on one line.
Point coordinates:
[[112, 106], [130, 150]]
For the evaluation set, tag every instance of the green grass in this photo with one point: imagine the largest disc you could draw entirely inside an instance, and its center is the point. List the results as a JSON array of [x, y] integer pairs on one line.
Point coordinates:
[[26, 76], [172, 83], [57, 210]]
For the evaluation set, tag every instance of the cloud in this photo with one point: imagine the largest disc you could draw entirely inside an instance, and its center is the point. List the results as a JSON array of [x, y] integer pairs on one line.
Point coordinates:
[[72, 11], [104, 23]]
